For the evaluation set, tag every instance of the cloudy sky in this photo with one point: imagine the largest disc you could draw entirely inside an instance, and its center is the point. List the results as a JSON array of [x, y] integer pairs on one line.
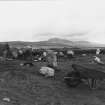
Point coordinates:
[[37, 20]]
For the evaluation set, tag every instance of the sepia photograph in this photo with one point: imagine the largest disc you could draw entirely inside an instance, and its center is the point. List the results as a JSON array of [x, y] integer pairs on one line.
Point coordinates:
[[52, 52]]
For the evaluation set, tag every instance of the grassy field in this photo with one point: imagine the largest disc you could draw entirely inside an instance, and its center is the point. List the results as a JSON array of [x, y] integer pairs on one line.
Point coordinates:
[[25, 86]]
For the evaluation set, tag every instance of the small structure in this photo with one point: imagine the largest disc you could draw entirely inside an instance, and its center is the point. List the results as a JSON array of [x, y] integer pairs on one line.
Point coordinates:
[[85, 73]]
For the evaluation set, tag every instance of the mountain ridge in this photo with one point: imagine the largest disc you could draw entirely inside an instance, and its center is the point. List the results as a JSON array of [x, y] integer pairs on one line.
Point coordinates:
[[76, 43], [54, 43]]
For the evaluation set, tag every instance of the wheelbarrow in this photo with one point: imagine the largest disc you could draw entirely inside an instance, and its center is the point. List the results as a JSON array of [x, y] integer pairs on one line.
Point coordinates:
[[89, 73]]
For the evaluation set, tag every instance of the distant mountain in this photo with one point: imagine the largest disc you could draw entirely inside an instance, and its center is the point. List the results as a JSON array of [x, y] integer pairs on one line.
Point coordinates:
[[75, 43], [55, 43], [40, 44], [60, 41]]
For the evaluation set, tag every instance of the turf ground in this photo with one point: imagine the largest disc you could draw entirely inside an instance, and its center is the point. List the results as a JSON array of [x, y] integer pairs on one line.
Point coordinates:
[[25, 86]]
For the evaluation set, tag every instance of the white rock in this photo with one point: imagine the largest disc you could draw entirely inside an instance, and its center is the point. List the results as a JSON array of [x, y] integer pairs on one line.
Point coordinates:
[[47, 71], [6, 99]]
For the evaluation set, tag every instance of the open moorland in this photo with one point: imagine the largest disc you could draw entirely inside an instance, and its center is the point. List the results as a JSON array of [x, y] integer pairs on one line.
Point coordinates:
[[25, 86]]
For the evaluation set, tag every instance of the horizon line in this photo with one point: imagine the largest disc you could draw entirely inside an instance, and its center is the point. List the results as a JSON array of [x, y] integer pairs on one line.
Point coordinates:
[[51, 38]]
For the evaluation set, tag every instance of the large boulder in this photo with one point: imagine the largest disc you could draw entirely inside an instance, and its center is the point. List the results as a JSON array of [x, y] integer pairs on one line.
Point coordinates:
[[47, 71]]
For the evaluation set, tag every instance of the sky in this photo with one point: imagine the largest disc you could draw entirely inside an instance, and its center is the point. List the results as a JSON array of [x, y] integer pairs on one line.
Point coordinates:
[[38, 20]]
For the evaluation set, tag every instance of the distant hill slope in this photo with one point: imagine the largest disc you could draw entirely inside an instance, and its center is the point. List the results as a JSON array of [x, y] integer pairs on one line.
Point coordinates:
[[75, 43], [54, 43], [60, 41], [41, 44]]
